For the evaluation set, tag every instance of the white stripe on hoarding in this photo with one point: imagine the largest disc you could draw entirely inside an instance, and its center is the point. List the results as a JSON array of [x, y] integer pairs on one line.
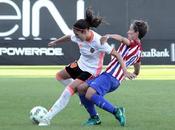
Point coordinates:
[[173, 52]]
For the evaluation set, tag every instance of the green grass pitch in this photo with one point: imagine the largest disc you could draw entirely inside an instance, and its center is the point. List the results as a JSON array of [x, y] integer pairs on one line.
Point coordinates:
[[149, 100]]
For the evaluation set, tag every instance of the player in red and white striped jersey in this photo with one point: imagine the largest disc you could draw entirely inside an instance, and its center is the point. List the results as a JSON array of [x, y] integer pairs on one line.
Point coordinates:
[[93, 90], [131, 55]]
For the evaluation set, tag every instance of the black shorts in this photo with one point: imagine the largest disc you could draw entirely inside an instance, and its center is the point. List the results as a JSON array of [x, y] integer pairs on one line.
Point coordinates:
[[76, 73]]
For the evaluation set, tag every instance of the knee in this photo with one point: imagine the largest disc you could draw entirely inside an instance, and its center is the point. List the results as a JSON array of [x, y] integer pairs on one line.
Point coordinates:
[[88, 96], [90, 92], [58, 76], [81, 89]]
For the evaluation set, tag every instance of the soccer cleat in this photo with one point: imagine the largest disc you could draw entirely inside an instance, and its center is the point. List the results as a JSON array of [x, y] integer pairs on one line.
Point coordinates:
[[44, 122], [120, 115], [94, 120]]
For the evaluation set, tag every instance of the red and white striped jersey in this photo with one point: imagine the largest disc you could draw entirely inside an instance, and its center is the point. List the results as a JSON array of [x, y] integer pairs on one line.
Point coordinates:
[[130, 54]]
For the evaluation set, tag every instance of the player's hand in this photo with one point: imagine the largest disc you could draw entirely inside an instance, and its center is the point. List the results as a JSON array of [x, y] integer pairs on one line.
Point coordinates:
[[130, 75], [104, 39], [52, 43]]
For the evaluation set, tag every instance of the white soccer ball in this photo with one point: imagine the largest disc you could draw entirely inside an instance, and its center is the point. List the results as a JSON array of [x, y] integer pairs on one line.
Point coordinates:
[[37, 113]]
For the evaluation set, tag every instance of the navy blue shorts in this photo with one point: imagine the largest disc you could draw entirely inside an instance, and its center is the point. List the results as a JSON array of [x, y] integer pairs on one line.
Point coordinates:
[[103, 83]]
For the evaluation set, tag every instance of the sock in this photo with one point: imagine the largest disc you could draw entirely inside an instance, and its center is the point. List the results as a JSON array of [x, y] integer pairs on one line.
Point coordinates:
[[61, 103], [89, 105], [66, 82], [102, 103]]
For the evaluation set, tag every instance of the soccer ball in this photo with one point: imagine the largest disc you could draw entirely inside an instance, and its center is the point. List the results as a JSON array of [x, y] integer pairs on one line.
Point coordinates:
[[37, 113]]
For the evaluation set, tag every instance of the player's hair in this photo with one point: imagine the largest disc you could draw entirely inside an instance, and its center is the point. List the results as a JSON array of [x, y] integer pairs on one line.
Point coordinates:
[[141, 27], [89, 22]]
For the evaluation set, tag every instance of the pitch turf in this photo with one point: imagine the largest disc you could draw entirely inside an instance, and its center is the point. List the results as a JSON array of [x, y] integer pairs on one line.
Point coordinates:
[[149, 102]]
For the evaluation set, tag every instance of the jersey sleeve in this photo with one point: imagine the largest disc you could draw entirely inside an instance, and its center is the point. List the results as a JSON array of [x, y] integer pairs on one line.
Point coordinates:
[[105, 48], [73, 37]]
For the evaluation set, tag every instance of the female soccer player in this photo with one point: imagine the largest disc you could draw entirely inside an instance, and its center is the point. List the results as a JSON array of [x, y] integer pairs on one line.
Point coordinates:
[[94, 89], [89, 64]]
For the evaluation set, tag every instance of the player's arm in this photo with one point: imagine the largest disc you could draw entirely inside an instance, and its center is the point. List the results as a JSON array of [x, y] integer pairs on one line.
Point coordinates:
[[137, 68], [122, 63], [117, 37], [63, 39]]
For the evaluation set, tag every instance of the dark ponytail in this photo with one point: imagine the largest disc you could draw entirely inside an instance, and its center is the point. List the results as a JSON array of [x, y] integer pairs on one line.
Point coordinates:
[[93, 21], [89, 21]]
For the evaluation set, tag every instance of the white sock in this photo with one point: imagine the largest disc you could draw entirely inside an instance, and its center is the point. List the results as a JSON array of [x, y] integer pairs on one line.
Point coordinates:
[[66, 82], [60, 104]]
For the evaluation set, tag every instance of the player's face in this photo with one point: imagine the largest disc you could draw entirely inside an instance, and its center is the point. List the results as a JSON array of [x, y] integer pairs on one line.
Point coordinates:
[[132, 34], [80, 34]]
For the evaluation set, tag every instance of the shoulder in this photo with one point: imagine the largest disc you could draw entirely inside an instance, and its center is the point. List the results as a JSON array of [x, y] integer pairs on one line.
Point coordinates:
[[74, 38], [135, 42], [96, 36], [95, 42]]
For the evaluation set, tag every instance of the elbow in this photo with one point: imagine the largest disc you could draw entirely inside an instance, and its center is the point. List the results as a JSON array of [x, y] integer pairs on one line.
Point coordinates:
[[136, 73]]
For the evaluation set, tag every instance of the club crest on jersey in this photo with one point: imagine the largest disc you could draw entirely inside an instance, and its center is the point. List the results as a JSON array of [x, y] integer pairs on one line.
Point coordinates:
[[92, 50]]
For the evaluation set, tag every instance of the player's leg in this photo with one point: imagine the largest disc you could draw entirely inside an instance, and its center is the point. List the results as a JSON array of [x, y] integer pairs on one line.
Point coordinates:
[[80, 76], [100, 101], [61, 102], [89, 106], [67, 75], [70, 71], [98, 88], [63, 77]]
